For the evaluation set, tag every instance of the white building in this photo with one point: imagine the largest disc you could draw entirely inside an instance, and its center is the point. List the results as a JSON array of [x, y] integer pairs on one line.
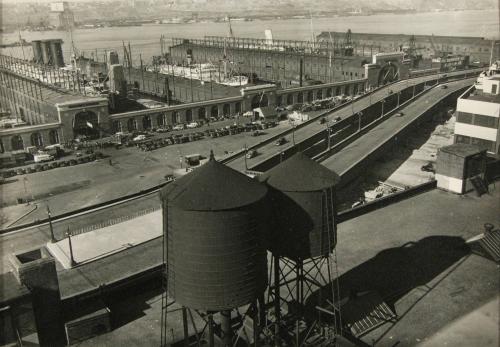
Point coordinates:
[[478, 112]]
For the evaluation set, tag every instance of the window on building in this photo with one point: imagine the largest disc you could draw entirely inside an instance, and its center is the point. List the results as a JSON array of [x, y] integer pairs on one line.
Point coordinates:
[[462, 139], [485, 121], [21, 113], [483, 144], [464, 117]]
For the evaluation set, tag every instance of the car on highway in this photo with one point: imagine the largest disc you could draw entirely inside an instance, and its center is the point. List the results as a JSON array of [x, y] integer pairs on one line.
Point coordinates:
[[251, 154], [337, 119], [444, 86], [322, 120], [257, 133], [429, 167], [179, 127], [399, 114], [193, 125], [280, 141]]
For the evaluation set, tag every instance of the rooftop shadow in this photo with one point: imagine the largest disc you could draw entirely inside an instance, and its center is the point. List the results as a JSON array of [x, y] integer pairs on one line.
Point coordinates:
[[394, 272]]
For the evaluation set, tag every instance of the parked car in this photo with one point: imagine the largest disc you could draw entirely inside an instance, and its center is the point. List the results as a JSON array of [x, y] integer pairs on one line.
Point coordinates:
[[280, 141], [322, 120], [399, 114], [42, 157], [179, 127], [193, 125], [256, 133], [337, 119], [444, 86], [140, 138], [251, 154]]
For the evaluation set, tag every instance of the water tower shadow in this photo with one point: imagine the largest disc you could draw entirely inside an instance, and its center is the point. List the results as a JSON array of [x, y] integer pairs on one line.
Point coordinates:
[[394, 272]]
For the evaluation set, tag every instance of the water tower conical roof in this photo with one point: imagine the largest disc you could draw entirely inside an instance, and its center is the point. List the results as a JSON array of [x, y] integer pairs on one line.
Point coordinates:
[[213, 186], [300, 173]]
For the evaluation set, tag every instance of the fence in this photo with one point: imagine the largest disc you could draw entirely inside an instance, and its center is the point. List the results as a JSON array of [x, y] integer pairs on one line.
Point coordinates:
[[114, 221]]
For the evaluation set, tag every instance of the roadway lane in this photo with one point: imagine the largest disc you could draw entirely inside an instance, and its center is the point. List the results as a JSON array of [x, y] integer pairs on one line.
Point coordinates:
[[356, 151], [303, 133]]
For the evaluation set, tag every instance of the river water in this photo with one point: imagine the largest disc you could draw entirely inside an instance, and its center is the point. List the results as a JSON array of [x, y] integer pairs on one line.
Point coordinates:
[[145, 40]]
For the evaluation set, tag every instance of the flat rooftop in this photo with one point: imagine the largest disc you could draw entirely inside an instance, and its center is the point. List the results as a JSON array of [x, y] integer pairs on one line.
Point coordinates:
[[479, 95], [412, 252], [435, 208]]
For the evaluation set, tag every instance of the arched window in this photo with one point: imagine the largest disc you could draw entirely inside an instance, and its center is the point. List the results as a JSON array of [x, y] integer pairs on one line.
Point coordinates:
[[116, 126], [177, 116], [300, 97], [214, 111], [310, 96], [53, 137], [202, 113], [146, 122], [189, 116], [36, 140], [226, 110], [160, 119], [16, 142], [86, 124], [131, 124]]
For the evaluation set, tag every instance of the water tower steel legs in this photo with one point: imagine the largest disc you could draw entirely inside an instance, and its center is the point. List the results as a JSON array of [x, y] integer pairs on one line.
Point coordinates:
[[211, 339], [185, 325], [308, 276], [225, 319], [277, 304]]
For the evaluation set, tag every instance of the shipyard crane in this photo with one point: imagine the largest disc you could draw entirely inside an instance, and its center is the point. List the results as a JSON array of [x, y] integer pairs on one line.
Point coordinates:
[[437, 52], [412, 52], [348, 44]]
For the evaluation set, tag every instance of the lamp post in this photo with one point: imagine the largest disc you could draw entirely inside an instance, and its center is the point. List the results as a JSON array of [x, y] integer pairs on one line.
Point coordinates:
[[73, 262], [52, 237], [359, 120], [246, 152], [329, 134]]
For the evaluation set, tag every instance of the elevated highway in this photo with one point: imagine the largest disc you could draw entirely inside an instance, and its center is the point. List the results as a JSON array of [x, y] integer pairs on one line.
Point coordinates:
[[311, 133], [311, 137]]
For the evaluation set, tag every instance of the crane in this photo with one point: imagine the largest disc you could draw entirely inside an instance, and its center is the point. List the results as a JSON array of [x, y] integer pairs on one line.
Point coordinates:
[[348, 44]]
